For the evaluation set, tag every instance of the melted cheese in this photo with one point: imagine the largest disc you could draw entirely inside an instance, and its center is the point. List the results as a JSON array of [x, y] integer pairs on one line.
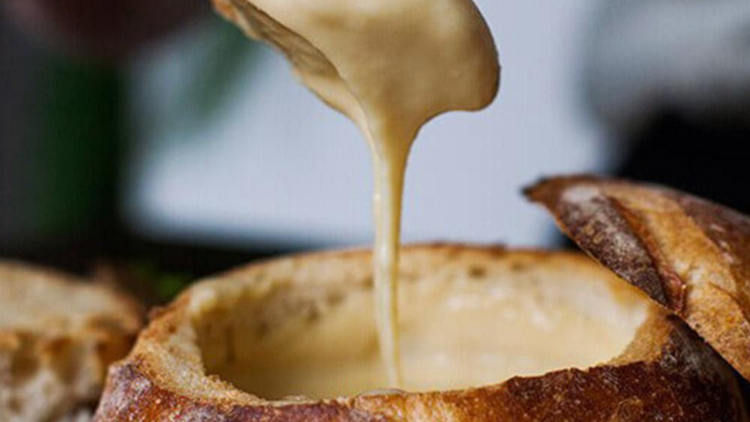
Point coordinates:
[[456, 333], [390, 66]]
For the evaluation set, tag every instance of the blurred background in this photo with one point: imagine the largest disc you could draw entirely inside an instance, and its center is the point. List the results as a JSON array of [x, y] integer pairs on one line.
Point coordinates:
[[153, 135]]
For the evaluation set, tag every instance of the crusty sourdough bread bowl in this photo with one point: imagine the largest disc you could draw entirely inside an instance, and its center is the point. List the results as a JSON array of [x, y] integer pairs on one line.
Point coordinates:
[[58, 335], [236, 347]]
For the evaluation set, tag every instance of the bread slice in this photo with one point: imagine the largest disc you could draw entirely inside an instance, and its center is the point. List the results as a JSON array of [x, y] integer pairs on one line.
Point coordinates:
[[686, 253], [58, 334], [217, 352]]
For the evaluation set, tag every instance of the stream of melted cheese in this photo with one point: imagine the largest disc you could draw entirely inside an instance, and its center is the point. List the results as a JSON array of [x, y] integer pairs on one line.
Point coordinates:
[[390, 66]]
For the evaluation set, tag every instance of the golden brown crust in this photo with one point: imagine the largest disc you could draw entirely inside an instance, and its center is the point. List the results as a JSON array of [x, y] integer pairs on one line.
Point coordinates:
[[666, 374], [688, 254]]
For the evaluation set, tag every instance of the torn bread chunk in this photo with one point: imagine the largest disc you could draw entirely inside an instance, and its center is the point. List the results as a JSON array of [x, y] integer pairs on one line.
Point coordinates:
[[58, 334]]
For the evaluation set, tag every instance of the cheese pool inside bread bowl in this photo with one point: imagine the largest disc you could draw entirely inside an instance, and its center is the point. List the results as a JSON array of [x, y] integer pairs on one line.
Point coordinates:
[[469, 318]]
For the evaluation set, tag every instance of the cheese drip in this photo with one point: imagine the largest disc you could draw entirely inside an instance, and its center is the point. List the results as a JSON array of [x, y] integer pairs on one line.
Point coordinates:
[[390, 66]]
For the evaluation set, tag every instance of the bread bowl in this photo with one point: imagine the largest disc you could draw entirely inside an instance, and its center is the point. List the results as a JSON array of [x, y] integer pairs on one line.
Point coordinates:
[[276, 341], [58, 334]]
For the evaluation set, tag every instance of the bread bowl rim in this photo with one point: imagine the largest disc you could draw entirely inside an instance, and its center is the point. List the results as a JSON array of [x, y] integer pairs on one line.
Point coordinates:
[[674, 343]]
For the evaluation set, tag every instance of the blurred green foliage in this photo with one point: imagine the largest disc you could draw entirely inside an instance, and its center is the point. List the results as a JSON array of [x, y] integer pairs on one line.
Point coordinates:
[[78, 137]]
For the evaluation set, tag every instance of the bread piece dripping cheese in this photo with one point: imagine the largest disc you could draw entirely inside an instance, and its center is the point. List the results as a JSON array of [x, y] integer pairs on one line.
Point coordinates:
[[390, 66]]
